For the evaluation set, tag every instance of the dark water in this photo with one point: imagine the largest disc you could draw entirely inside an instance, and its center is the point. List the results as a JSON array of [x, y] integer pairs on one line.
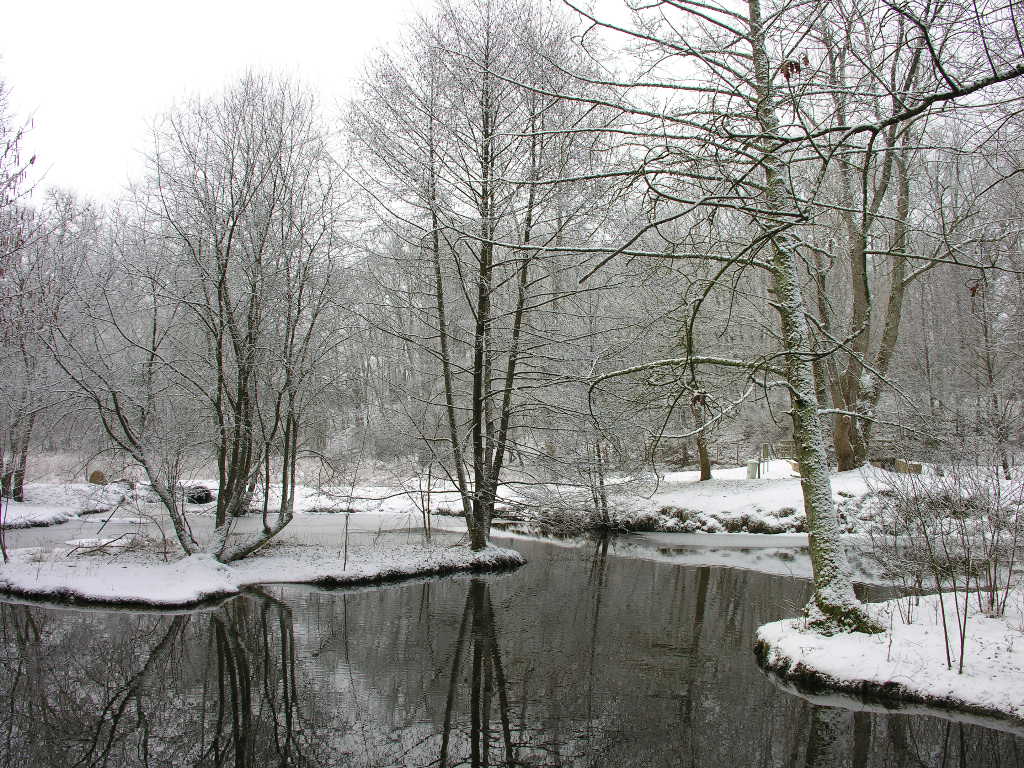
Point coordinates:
[[581, 658]]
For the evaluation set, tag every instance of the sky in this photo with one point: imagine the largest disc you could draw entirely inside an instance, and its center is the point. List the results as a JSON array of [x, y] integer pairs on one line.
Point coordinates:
[[92, 76]]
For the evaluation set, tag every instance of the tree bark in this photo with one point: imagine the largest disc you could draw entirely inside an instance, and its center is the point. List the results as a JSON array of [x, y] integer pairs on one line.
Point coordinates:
[[833, 606]]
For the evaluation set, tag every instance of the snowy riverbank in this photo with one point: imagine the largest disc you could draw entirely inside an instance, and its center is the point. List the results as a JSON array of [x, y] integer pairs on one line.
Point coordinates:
[[54, 503], [907, 662], [676, 502], [679, 502], [143, 577]]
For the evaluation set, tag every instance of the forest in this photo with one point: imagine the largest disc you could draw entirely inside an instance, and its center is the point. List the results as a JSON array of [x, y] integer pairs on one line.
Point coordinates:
[[546, 244]]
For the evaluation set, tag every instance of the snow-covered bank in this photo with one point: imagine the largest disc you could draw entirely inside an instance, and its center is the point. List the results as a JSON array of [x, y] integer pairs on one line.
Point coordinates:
[[53, 503], [772, 504], [728, 503], [907, 662], [674, 503], [143, 578]]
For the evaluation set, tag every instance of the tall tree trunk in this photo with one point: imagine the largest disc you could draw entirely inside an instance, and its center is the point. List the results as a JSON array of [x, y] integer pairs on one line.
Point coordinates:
[[701, 438], [834, 606]]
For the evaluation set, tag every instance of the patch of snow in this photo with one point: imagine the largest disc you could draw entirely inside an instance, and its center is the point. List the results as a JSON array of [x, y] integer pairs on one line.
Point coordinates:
[[80, 497], [773, 469], [144, 579], [182, 582], [367, 564], [28, 515], [54, 503], [908, 660]]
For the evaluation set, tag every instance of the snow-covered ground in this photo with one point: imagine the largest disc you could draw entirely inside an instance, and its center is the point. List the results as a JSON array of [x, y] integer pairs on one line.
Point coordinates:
[[676, 502], [52, 503], [132, 569], [728, 503], [113, 544], [908, 661]]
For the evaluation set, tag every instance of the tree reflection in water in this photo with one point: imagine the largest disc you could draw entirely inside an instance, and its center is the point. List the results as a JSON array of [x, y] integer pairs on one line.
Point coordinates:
[[487, 675], [254, 645], [207, 689]]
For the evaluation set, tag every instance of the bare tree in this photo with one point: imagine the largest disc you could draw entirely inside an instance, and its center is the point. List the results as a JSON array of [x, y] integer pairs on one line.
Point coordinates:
[[36, 283], [18, 226], [233, 260], [460, 145], [748, 132], [13, 174]]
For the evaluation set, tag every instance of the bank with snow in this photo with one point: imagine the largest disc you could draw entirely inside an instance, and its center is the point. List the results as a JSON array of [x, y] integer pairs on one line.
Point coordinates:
[[679, 502], [55, 503], [908, 662], [145, 579]]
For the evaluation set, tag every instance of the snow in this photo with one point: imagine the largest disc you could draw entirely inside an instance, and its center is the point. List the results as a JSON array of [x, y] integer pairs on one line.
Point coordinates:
[[29, 515], [727, 503], [182, 582], [368, 564], [53, 503], [116, 570], [675, 503], [729, 494], [774, 469], [907, 662]]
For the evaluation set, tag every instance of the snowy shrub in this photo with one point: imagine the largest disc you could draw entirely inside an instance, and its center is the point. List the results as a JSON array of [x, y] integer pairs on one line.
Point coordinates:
[[640, 520], [759, 524], [680, 514], [734, 523], [959, 533], [561, 521], [711, 524]]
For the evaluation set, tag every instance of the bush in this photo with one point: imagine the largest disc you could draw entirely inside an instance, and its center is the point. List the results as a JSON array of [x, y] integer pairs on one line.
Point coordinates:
[[959, 533]]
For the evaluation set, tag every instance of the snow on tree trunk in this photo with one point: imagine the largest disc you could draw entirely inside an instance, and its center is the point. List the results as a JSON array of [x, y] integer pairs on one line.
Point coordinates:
[[834, 607]]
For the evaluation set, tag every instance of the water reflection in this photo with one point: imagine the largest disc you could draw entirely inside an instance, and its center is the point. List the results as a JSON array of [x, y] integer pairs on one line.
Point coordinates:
[[252, 717], [583, 658], [487, 679], [213, 689]]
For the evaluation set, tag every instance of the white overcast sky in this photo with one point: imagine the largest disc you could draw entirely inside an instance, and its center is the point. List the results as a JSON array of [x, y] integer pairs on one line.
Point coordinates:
[[93, 74]]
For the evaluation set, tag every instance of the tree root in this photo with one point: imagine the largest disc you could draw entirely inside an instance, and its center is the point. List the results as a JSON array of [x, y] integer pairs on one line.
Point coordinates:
[[830, 617]]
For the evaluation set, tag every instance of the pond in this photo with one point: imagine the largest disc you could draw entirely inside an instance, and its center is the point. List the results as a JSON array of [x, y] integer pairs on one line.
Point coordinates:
[[594, 654]]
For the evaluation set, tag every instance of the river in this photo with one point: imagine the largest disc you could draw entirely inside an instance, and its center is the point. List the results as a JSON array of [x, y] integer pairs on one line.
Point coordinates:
[[597, 653]]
